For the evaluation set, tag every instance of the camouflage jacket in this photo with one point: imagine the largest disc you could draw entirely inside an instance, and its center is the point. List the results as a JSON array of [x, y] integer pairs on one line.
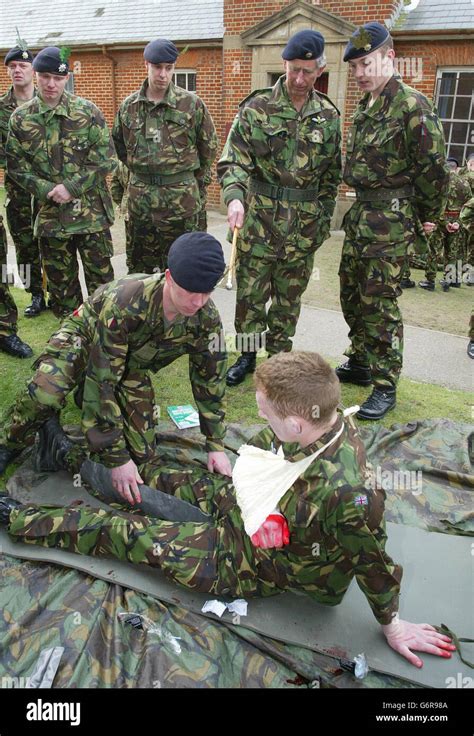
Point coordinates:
[[69, 144], [123, 327], [468, 176], [167, 138], [8, 105], [271, 142], [397, 142], [335, 515], [467, 215], [459, 192], [119, 188]]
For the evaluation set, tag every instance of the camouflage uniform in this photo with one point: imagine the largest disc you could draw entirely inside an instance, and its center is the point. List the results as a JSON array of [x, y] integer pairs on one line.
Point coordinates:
[[449, 248], [19, 208], [466, 218], [8, 310], [119, 192], [468, 176], [396, 164], [336, 525], [68, 144], [169, 147], [107, 348], [285, 165]]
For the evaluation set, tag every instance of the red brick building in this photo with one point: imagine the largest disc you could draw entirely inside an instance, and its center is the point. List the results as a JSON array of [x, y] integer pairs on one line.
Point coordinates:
[[233, 46]]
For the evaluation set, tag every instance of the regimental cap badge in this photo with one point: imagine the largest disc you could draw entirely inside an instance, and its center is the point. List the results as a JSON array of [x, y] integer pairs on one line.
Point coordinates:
[[62, 68], [24, 55], [308, 54], [362, 39]]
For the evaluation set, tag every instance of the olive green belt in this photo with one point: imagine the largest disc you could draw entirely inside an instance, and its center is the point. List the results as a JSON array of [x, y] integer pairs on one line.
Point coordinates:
[[383, 194], [163, 180], [289, 194]]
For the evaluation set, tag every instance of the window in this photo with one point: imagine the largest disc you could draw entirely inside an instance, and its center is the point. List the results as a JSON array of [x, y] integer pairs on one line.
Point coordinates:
[[185, 79], [455, 99]]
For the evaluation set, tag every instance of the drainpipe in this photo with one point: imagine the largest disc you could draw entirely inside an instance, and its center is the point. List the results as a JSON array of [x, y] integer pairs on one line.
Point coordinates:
[[114, 65]]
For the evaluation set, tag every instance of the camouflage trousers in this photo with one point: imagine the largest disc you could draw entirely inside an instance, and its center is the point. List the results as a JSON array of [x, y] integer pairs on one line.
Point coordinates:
[[62, 269], [149, 244], [209, 557], [8, 310], [281, 280], [449, 249], [60, 370], [20, 216], [369, 289]]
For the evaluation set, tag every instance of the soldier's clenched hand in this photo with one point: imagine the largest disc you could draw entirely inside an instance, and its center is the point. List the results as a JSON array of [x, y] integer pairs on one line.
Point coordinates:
[[235, 214], [218, 462], [60, 194], [428, 227], [125, 480], [404, 636]]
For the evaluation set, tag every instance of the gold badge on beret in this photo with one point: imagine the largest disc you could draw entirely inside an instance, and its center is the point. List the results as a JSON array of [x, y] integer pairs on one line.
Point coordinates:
[[362, 40]]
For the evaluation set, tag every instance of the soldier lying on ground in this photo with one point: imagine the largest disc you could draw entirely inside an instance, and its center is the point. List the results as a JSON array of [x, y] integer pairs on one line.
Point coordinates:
[[303, 512], [106, 350]]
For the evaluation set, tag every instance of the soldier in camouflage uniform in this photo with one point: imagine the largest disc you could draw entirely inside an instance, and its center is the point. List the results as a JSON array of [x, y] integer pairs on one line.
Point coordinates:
[[9, 341], [328, 528], [447, 244], [281, 162], [396, 164], [119, 192], [20, 204], [59, 149], [467, 173], [466, 218], [109, 345], [166, 137]]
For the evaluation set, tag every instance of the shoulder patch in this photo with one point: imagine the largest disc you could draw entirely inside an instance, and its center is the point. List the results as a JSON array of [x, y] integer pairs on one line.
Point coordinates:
[[264, 90], [328, 99]]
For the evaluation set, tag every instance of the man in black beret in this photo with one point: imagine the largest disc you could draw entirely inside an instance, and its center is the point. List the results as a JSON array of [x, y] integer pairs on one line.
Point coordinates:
[[20, 205], [279, 172], [59, 149], [107, 348], [167, 139], [396, 164]]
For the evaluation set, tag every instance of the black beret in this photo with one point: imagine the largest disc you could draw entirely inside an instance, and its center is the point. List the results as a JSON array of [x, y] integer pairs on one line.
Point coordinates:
[[49, 61], [18, 54], [196, 262], [453, 160], [366, 39], [304, 45], [161, 51]]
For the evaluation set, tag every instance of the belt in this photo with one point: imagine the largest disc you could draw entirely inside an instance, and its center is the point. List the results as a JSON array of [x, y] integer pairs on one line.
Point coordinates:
[[164, 179], [452, 213], [383, 194], [274, 191]]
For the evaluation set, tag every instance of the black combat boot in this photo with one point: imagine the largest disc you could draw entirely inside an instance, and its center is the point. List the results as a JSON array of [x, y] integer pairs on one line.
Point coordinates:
[[354, 373], [52, 447], [445, 284], [38, 305], [380, 401], [13, 345], [7, 504], [6, 457], [244, 364], [407, 284], [428, 285]]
